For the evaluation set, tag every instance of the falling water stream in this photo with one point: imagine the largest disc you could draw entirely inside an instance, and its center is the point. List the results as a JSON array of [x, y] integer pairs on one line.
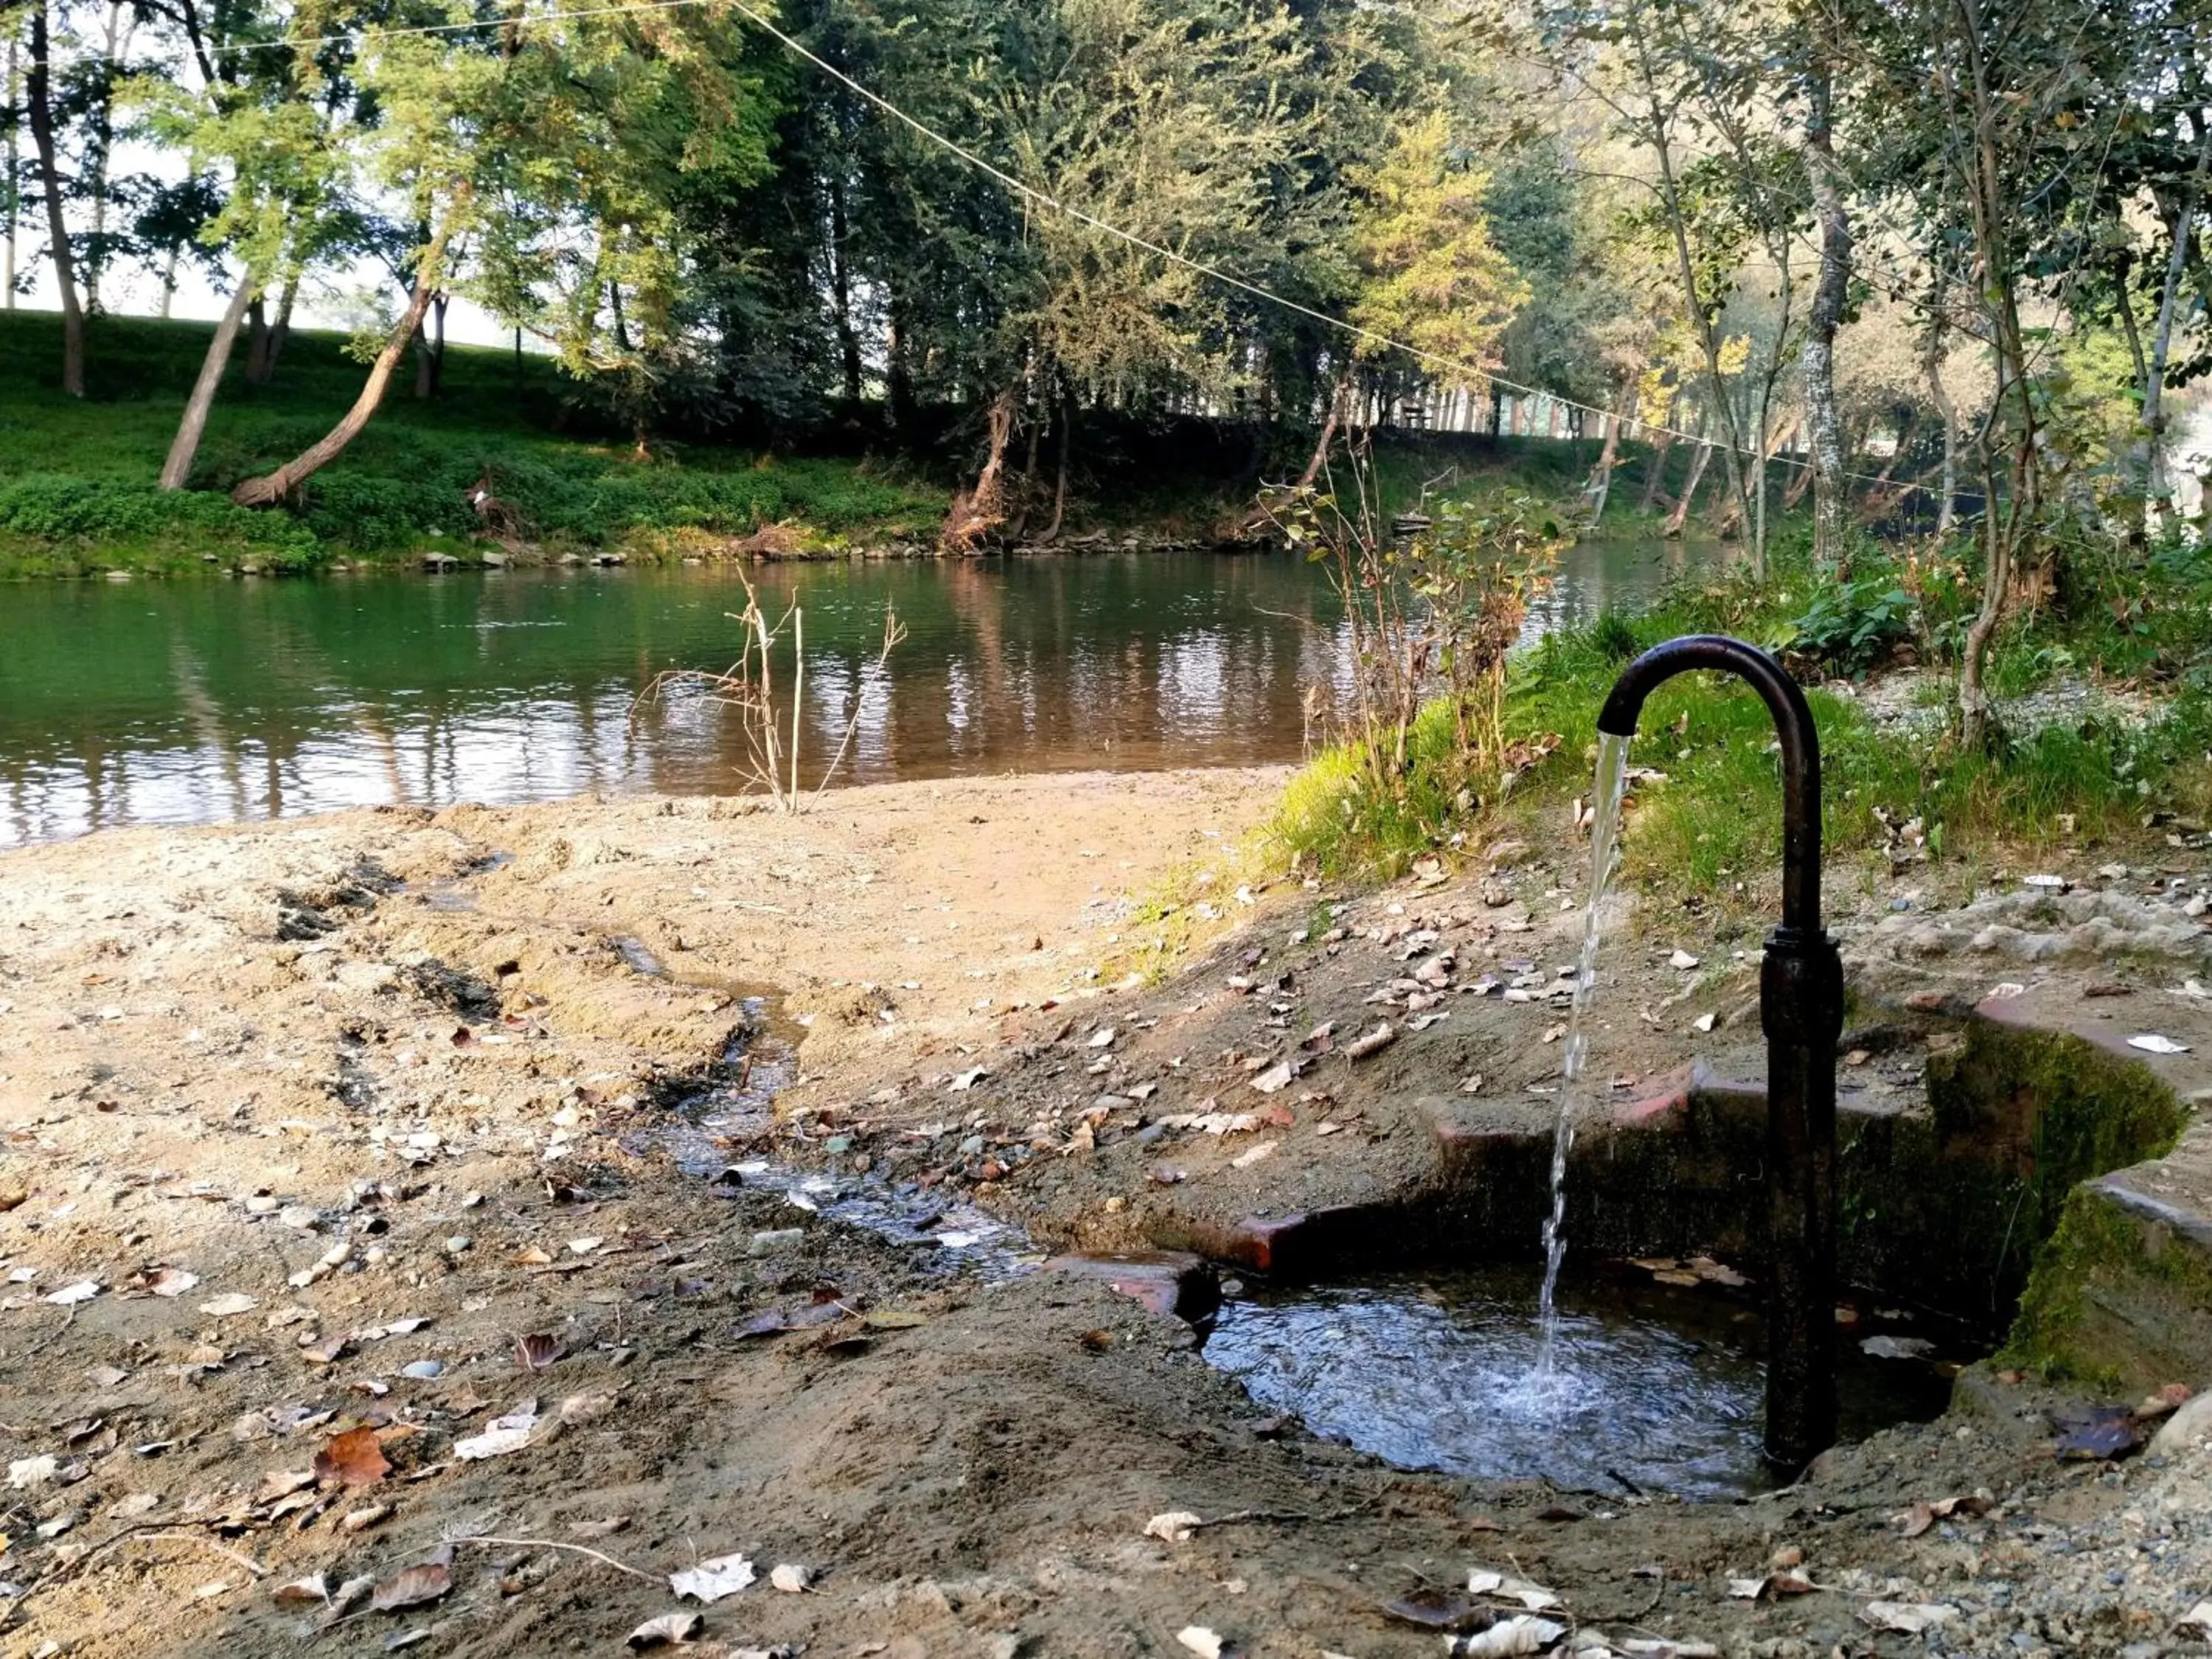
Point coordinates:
[[1605, 863]]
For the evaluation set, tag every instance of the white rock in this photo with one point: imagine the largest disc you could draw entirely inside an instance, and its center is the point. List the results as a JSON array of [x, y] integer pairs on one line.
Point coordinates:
[[1681, 959]]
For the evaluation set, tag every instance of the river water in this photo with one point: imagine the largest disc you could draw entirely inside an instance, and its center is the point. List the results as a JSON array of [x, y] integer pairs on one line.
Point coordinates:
[[200, 701]]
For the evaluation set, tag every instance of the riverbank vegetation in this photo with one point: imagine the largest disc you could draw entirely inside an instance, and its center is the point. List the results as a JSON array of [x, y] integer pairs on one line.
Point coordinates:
[[2111, 705], [1897, 267]]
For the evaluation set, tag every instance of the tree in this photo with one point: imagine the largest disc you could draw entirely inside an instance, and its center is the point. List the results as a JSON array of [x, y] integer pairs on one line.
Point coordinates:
[[38, 92]]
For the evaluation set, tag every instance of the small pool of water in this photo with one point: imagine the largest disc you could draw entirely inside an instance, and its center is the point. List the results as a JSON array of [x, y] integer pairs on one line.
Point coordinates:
[[1655, 1388]]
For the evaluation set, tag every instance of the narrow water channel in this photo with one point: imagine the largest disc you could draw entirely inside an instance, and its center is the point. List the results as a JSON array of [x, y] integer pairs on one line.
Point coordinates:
[[205, 700]]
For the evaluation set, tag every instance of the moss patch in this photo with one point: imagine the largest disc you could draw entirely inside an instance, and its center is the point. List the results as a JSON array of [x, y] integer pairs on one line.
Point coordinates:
[[2117, 1299]]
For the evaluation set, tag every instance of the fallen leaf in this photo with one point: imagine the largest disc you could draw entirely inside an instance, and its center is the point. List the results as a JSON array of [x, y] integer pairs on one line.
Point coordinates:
[[83, 1291], [352, 1459], [361, 1520], [1373, 1043], [347, 1597], [313, 1587], [2149, 1042], [602, 1528], [1245, 1160], [1275, 1076], [670, 1629], [1436, 1609], [410, 1587], [791, 1578], [105, 1376], [1523, 1633], [1911, 1523], [1907, 1618], [223, 1307], [1172, 1526], [502, 1435], [327, 1351], [1897, 1347], [172, 1281], [31, 1471], [710, 1581], [963, 1081], [1534, 1597], [536, 1351], [1200, 1640]]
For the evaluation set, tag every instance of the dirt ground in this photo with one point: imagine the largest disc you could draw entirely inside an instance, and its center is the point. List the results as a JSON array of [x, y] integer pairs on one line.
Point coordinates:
[[342, 1243]]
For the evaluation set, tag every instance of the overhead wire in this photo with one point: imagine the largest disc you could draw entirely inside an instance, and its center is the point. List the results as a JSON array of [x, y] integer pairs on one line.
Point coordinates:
[[1472, 374]]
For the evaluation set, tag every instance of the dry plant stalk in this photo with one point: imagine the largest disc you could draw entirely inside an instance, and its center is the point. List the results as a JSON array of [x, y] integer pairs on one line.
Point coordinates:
[[748, 687]]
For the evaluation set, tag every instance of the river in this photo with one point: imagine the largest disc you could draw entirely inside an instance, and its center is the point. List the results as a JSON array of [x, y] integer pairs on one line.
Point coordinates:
[[199, 701]]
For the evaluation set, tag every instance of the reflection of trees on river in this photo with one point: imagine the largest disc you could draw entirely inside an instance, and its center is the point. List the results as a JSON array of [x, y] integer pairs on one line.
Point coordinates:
[[190, 701]]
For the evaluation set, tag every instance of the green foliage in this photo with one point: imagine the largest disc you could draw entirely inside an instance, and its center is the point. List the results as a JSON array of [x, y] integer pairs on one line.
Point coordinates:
[[1853, 626], [77, 480], [83, 513]]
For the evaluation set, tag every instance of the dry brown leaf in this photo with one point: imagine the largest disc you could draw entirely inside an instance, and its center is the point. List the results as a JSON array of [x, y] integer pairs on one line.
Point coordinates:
[[313, 1587], [410, 1587], [352, 1459], [538, 1351]]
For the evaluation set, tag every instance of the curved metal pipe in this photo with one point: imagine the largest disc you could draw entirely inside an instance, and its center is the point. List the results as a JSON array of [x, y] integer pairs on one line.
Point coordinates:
[[1793, 724], [1801, 1003]]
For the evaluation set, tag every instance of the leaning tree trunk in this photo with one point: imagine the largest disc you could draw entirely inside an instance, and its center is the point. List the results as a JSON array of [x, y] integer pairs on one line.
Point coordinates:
[[37, 93], [1600, 484], [1817, 358], [272, 487], [1699, 462], [1328, 426], [187, 443]]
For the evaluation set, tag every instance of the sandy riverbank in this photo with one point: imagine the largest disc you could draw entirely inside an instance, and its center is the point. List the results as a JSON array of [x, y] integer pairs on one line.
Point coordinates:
[[349, 1125]]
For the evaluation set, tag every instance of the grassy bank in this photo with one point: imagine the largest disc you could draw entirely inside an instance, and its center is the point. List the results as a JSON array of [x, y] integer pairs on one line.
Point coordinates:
[[1898, 790], [78, 476]]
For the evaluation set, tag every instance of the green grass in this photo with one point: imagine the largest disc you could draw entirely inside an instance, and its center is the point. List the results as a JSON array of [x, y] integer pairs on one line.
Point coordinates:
[[78, 477], [1710, 835]]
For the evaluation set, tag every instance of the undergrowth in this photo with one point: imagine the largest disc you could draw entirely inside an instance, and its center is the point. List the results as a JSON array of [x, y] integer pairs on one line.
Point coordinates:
[[1707, 830]]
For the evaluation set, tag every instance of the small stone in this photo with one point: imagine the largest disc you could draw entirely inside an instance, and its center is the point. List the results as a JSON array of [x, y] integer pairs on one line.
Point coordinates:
[[459, 1244], [1682, 959]]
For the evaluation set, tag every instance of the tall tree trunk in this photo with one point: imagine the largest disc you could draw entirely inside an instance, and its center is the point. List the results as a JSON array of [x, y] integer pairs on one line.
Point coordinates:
[[187, 443], [1662, 442], [100, 118], [1817, 358], [1703, 314], [899, 372], [281, 330], [276, 486], [1060, 488], [841, 291], [258, 365], [430, 348], [169, 279], [38, 95], [2161, 340], [11, 187], [1932, 364]]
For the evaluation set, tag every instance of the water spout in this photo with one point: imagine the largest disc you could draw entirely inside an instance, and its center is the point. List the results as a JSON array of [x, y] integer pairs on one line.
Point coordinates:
[[1801, 998]]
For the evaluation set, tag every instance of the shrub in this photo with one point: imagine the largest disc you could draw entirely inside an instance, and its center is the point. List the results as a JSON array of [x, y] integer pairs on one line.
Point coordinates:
[[1853, 626], [59, 509]]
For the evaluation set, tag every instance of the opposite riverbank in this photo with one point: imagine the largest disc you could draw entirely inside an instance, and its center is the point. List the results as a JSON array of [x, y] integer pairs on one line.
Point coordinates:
[[508, 462]]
